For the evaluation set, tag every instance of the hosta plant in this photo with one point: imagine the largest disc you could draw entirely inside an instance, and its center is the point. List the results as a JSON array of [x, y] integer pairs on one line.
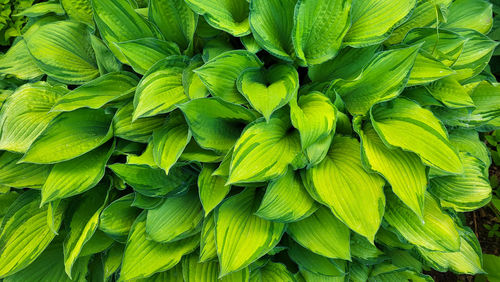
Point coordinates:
[[262, 140]]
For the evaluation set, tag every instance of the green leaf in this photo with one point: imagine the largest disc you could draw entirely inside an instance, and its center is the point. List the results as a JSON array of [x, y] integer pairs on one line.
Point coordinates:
[[98, 92], [319, 29], [314, 116], [194, 271], [143, 257], [491, 265], [41, 9], [444, 45], [25, 222], [383, 79], [466, 140], [427, 69], [194, 153], [315, 263], [139, 130], [161, 89], [250, 44], [19, 63], [467, 260], [318, 150], [106, 61], [436, 231], [425, 14], [450, 93], [269, 89], [476, 54], [272, 23], [470, 14], [49, 266], [117, 22], [153, 182], [363, 250], [341, 66], [21, 175], [113, 260], [214, 123], [76, 176], [212, 188], [25, 115], [175, 219], [169, 141], [220, 73], [193, 86], [272, 272], [323, 234], [286, 200], [465, 192], [89, 129], [234, 220], [208, 248], [83, 224], [404, 124], [374, 20], [99, 242], [79, 10], [63, 51], [143, 53], [404, 170], [117, 218], [176, 21], [340, 179], [230, 16], [264, 150]]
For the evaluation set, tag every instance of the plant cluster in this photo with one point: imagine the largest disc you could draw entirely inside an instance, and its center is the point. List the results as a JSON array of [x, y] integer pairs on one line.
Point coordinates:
[[235, 140]]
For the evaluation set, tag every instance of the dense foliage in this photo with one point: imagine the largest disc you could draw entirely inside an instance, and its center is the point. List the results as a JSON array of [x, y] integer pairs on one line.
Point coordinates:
[[235, 140]]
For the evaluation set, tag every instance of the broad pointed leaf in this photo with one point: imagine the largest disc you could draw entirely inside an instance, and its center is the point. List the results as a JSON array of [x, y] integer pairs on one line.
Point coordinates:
[[161, 89], [272, 24], [22, 175], [315, 263], [98, 92], [230, 16], [383, 79], [79, 10], [467, 260], [268, 90], [374, 20], [403, 123], [427, 69], [264, 150], [153, 182], [88, 129], [25, 222], [314, 116], [286, 200], [272, 272], [117, 218], [212, 188], [19, 63], [143, 257], [139, 130], [220, 73], [117, 22], [25, 115], [208, 248], [176, 21], [436, 231], [143, 53], [339, 180], [234, 220], [175, 219], [194, 271], [319, 29], [323, 234], [63, 51], [465, 192], [83, 224], [404, 170], [76, 176], [214, 123], [470, 14]]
